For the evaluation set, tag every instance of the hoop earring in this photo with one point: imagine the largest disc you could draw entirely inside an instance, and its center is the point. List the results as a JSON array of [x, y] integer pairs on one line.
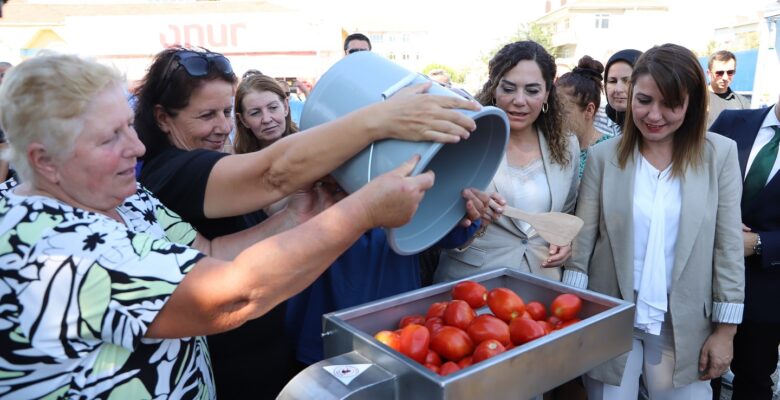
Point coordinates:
[[545, 107]]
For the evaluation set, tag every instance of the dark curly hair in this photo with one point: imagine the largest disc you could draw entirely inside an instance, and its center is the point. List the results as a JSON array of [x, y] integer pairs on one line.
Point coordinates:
[[171, 87], [549, 123]]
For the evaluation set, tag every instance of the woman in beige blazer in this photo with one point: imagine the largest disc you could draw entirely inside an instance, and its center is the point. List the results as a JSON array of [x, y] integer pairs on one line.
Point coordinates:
[[662, 229], [539, 172]]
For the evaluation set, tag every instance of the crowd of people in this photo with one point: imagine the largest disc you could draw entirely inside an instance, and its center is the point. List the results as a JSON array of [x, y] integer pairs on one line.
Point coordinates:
[[187, 245]]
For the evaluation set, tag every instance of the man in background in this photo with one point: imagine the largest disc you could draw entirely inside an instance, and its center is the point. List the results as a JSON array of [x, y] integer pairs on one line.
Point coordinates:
[[721, 69], [356, 42]]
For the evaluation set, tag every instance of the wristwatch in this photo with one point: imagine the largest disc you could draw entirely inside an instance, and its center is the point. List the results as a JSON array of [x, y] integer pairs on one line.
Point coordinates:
[[757, 246]]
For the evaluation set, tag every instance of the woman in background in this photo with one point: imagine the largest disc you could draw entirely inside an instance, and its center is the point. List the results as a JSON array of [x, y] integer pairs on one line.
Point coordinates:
[[617, 75], [580, 94]]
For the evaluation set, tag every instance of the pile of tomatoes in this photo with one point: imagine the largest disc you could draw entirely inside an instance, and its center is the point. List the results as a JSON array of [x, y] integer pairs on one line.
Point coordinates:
[[452, 336]]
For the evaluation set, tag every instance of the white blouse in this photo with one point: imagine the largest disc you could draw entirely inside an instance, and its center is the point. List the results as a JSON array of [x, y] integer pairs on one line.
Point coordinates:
[[525, 188], [656, 217]]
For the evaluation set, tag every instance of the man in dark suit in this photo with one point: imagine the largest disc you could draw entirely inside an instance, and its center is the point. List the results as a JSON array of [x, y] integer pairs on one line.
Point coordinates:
[[756, 343]]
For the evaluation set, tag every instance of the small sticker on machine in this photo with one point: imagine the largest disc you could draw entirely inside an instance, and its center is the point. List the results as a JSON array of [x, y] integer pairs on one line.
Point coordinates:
[[346, 373]]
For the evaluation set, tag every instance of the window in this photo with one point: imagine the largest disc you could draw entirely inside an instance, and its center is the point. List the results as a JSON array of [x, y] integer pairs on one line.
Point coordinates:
[[602, 21], [547, 6]]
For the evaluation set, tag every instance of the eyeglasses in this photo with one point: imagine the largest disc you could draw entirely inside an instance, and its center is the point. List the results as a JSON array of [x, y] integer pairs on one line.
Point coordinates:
[[350, 51], [729, 73]]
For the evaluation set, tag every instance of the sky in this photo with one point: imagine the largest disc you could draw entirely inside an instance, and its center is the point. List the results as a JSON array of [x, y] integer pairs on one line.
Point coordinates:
[[467, 29], [463, 29]]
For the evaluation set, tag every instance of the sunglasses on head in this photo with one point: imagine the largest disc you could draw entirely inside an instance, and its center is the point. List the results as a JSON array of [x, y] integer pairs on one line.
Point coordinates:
[[350, 51], [729, 73], [197, 63]]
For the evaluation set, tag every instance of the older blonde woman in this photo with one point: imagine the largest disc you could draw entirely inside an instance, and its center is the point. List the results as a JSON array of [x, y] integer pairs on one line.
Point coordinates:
[[106, 292]]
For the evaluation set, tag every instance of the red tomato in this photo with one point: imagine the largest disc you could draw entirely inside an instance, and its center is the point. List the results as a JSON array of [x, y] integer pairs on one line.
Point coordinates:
[[436, 310], [432, 358], [434, 368], [510, 346], [448, 368], [505, 304], [452, 343], [411, 319], [486, 327], [487, 349], [471, 292], [414, 342], [434, 324], [523, 330], [459, 314], [465, 362], [569, 322], [526, 315], [555, 322], [566, 306], [537, 310], [390, 339], [546, 326]]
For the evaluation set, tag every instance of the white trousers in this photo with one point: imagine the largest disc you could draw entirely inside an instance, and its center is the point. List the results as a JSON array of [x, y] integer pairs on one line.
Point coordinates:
[[651, 356]]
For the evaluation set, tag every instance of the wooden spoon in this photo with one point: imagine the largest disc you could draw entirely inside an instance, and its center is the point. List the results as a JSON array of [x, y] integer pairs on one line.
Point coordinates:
[[555, 227]]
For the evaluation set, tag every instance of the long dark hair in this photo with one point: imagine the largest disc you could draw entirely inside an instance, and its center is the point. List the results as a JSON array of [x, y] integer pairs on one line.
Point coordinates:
[[550, 123], [171, 87]]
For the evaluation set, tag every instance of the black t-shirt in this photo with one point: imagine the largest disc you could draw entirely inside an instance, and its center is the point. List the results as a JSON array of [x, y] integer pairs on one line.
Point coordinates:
[[255, 360]]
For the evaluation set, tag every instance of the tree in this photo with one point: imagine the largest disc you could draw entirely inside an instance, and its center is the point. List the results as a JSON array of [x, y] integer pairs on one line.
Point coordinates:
[[539, 33], [455, 76]]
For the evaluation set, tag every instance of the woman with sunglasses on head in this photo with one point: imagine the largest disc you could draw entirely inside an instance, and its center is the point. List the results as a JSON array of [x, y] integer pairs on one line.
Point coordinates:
[[106, 292], [663, 230], [538, 173], [617, 74], [183, 117]]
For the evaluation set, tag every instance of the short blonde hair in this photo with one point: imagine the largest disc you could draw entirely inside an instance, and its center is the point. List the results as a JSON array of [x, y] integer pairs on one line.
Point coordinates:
[[44, 99]]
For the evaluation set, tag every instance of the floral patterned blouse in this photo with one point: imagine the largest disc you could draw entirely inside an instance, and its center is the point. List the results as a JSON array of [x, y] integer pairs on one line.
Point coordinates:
[[79, 291]]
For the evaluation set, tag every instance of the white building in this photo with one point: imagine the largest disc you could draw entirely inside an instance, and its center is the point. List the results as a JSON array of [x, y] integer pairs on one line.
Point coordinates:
[[253, 34], [766, 85], [600, 28]]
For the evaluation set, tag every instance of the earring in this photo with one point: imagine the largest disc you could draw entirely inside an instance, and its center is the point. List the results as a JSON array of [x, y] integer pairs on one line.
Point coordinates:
[[545, 106]]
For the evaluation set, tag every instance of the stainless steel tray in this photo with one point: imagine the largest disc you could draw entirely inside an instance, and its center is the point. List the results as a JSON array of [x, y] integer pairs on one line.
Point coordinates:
[[521, 373]]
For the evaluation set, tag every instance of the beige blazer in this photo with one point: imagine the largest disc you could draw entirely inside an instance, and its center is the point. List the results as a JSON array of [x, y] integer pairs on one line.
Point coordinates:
[[503, 244], [708, 269]]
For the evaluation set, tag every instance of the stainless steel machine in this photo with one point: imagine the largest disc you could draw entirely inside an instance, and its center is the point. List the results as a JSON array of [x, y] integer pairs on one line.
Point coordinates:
[[359, 367]]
